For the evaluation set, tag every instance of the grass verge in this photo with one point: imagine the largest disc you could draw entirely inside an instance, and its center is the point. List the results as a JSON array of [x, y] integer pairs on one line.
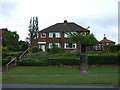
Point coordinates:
[[44, 70], [62, 70], [103, 79], [103, 69]]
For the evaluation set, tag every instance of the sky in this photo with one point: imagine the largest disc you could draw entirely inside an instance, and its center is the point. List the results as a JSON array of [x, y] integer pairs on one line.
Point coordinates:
[[100, 15]]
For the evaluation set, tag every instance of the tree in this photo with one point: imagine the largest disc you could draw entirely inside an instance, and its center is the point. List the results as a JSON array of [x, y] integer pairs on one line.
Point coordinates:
[[23, 45], [84, 39], [33, 29], [10, 40]]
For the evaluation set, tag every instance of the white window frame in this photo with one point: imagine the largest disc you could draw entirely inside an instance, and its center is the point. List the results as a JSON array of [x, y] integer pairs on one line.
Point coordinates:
[[51, 45], [74, 46], [43, 36], [50, 35], [57, 35]]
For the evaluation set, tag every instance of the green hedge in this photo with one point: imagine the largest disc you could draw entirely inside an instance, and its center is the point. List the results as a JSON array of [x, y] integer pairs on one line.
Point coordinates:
[[92, 60], [63, 61], [103, 60]]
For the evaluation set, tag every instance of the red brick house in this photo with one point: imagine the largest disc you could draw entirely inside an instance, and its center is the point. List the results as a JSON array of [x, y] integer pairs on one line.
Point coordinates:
[[55, 35], [102, 43], [106, 41]]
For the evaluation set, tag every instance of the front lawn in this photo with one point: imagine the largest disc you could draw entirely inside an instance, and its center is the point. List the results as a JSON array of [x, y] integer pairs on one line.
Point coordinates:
[[44, 70], [61, 70]]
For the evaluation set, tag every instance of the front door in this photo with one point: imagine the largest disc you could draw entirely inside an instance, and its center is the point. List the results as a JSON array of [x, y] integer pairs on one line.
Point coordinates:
[[42, 47]]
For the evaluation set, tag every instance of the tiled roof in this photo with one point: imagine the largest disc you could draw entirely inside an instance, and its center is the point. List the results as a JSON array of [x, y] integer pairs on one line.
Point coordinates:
[[105, 40], [61, 27]]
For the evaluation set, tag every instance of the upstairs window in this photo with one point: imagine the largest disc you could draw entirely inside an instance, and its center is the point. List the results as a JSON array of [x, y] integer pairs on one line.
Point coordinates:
[[54, 44], [70, 45], [66, 36], [54, 35], [43, 35]]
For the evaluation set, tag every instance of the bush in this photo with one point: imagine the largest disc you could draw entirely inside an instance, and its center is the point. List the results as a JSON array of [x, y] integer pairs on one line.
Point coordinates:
[[56, 49], [34, 49], [40, 49], [35, 60], [4, 49], [5, 61], [48, 49], [74, 53], [14, 54], [115, 48], [4, 55], [23, 47], [32, 63]]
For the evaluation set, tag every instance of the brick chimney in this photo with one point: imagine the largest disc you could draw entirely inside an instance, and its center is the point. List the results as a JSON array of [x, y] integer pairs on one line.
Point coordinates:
[[65, 22]]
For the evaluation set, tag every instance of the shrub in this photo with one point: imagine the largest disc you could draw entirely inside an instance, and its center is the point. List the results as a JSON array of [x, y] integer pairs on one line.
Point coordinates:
[[9, 57], [5, 61], [33, 61], [74, 53], [4, 55], [23, 47], [40, 49], [56, 49], [4, 49], [34, 49], [115, 48], [48, 49], [14, 54]]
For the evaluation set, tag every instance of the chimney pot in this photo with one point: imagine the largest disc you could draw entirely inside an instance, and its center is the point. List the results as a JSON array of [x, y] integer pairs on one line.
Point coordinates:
[[65, 21]]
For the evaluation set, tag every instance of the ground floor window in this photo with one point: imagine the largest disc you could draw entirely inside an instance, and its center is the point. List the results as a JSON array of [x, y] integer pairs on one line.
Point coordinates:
[[70, 45], [54, 44], [97, 47]]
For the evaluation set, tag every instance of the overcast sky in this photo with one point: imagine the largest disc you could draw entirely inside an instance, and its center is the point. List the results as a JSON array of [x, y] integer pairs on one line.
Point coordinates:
[[100, 15]]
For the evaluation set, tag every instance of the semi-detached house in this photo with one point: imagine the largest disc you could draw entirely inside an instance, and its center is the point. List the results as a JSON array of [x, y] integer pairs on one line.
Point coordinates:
[[55, 36]]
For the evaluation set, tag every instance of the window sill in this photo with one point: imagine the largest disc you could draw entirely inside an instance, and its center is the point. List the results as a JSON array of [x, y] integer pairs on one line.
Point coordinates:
[[70, 48]]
